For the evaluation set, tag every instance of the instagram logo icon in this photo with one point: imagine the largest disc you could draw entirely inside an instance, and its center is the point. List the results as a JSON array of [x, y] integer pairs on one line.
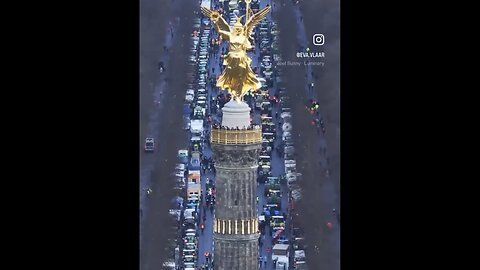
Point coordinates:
[[318, 39]]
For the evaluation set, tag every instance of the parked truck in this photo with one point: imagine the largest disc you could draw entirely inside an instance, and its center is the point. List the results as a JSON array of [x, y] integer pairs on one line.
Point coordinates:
[[193, 176], [194, 161], [196, 127], [280, 255], [193, 184]]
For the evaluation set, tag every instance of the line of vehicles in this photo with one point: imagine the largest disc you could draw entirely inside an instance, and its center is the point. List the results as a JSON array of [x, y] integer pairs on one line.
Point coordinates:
[[188, 170], [239, 4], [272, 215], [186, 208], [287, 250], [287, 254], [196, 96]]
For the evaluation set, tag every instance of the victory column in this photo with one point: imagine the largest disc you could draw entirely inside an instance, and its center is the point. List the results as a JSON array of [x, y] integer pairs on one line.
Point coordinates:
[[236, 146]]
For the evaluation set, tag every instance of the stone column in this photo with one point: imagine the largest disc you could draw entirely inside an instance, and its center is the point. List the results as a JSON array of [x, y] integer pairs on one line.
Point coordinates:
[[236, 223]]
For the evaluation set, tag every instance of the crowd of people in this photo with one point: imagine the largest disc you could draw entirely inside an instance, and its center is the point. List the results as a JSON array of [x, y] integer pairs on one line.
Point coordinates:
[[251, 127]]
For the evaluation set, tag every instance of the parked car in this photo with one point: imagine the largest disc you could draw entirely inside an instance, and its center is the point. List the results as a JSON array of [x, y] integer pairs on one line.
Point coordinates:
[[149, 145], [186, 122], [183, 156]]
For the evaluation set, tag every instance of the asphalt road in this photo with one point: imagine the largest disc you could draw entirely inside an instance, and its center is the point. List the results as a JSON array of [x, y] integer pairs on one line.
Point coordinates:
[[318, 155], [277, 169], [161, 99], [277, 165]]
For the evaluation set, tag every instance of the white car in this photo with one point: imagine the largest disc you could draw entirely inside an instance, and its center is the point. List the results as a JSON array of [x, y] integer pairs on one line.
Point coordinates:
[[189, 266], [267, 74], [189, 98], [180, 166], [266, 65], [179, 173], [284, 115], [149, 145]]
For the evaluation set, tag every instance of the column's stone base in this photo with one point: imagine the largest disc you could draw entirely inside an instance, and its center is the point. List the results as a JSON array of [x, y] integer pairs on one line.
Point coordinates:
[[235, 252]]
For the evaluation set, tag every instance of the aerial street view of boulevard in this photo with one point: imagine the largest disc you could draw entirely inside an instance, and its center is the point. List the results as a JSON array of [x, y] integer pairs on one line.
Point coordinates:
[[239, 134]]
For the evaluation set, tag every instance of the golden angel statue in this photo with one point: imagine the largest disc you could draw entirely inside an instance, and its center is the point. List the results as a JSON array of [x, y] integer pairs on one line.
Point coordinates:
[[237, 77]]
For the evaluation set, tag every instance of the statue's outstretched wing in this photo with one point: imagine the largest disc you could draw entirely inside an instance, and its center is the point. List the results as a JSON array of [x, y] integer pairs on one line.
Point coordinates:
[[216, 18], [255, 19], [207, 12]]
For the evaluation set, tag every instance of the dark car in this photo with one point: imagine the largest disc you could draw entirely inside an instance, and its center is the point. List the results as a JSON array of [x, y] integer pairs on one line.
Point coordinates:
[[149, 145], [186, 122]]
